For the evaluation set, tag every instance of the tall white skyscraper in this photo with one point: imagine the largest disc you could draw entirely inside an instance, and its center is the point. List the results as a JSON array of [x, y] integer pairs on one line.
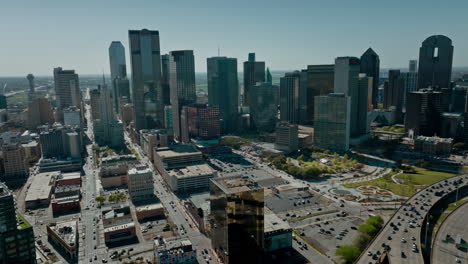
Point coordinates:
[[147, 92], [182, 84]]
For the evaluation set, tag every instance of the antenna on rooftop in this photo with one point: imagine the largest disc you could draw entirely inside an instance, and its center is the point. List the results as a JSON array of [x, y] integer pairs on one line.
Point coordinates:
[[218, 50]]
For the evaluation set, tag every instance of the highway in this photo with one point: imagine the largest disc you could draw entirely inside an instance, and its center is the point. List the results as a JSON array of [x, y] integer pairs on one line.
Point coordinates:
[[402, 232], [455, 224]]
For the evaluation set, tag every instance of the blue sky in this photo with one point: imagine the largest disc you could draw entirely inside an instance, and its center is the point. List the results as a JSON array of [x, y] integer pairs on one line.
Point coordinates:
[[39, 35]]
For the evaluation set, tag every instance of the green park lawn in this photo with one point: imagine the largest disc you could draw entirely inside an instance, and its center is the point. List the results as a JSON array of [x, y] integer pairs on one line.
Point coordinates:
[[410, 180], [424, 176]]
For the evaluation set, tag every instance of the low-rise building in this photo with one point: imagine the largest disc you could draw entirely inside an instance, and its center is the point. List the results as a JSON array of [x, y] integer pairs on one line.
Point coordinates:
[[64, 237], [114, 175], [66, 198], [287, 139], [71, 178], [176, 156], [119, 159], [140, 183], [40, 191], [191, 178], [176, 251], [433, 145], [150, 139], [63, 165], [149, 211], [118, 223]]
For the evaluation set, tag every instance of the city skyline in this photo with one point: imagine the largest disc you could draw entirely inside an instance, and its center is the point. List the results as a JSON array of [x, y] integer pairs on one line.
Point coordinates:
[[35, 36]]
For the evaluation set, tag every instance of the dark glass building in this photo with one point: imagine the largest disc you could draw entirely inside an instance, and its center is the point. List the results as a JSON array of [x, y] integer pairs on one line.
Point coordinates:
[[223, 89], [16, 234], [265, 113], [145, 59], [293, 97], [237, 220], [254, 72], [394, 90], [370, 65], [423, 112], [3, 101], [435, 62], [320, 81]]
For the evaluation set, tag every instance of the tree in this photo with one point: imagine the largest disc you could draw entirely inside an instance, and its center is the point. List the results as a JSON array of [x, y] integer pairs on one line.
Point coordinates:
[[100, 199], [367, 229], [348, 253]]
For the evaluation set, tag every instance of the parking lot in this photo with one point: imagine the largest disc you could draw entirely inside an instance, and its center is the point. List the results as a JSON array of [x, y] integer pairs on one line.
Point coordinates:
[[292, 200], [329, 235]]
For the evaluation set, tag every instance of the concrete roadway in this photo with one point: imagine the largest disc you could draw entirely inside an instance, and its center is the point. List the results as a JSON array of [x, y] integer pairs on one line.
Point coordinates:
[[406, 214], [93, 243], [454, 224]]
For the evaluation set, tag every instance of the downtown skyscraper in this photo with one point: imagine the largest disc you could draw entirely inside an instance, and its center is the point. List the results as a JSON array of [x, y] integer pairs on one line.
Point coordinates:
[[435, 62], [118, 66], [147, 93], [223, 89], [347, 82], [67, 88], [182, 85], [254, 72], [118, 71], [293, 99], [370, 65]]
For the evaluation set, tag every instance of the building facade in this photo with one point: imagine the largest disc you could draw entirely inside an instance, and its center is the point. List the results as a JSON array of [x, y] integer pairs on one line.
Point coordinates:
[[435, 62], [223, 89], [145, 59], [237, 220], [320, 81], [370, 65], [332, 122], [264, 96], [140, 183], [293, 98], [182, 85], [423, 112], [254, 72]]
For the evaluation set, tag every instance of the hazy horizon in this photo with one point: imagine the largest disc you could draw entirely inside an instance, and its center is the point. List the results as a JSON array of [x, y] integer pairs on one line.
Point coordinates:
[[77, 35]]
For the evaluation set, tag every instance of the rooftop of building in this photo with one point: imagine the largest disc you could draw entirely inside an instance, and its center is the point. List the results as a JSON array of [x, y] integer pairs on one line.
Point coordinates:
[[119, 227], [171, 244], [67, 231], [31, 143], [435, 139], [452, 114], [235, 184], [191, 171], [66, 188], [41, 186], [200, 200], [274, 223], [149, 207], [177, 150], [70, 176], [139, 170], [117, 158]]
